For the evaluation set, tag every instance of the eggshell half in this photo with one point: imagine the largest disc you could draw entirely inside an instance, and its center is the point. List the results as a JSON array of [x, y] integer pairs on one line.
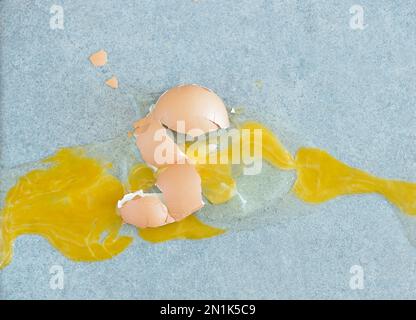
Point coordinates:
[[181, 188], [145, 212], [196, 107], [156, 146]]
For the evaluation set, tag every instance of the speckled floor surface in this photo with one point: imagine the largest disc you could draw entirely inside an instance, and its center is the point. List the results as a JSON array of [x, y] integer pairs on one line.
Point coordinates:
[[351, 92]]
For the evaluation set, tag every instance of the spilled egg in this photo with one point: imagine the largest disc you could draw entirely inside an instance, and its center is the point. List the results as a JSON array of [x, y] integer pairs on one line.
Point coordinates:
[[76, 198]]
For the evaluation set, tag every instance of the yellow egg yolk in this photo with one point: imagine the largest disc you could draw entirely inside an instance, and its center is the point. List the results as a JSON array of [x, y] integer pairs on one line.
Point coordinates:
[[321, 177], [72, 204]]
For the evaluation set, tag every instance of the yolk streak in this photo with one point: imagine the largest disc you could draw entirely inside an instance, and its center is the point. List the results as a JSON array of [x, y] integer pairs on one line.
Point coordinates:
[[322, 177], [273, 150]]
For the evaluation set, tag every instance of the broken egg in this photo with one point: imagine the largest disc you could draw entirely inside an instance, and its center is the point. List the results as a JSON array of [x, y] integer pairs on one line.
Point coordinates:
[[191, 109]]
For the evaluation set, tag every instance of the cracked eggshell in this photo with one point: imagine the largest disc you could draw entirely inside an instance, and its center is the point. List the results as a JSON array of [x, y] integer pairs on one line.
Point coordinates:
[[156, 146], [144, 212], [199, 109], [181, 188]]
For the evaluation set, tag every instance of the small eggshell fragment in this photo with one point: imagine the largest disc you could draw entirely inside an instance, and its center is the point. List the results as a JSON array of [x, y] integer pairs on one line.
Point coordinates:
[[112, 82], [156, 146], [181, 188], [99, 58], [144, 212], [191, 108]]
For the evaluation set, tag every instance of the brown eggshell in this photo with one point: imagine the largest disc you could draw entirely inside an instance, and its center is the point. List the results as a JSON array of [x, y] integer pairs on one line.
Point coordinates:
[[198, 108], [144, 212], [112, 82], [181, 188], [99, 58]]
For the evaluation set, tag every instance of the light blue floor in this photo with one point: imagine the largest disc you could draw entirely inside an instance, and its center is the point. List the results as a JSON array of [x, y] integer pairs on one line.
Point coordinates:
[[351, 92]]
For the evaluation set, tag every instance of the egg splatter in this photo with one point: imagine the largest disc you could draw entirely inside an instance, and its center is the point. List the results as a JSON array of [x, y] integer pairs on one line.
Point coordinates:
[[78, 202]]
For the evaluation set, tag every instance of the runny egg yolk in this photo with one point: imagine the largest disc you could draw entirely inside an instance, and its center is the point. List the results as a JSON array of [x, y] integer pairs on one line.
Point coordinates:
[[71, 204], [321, 177]]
